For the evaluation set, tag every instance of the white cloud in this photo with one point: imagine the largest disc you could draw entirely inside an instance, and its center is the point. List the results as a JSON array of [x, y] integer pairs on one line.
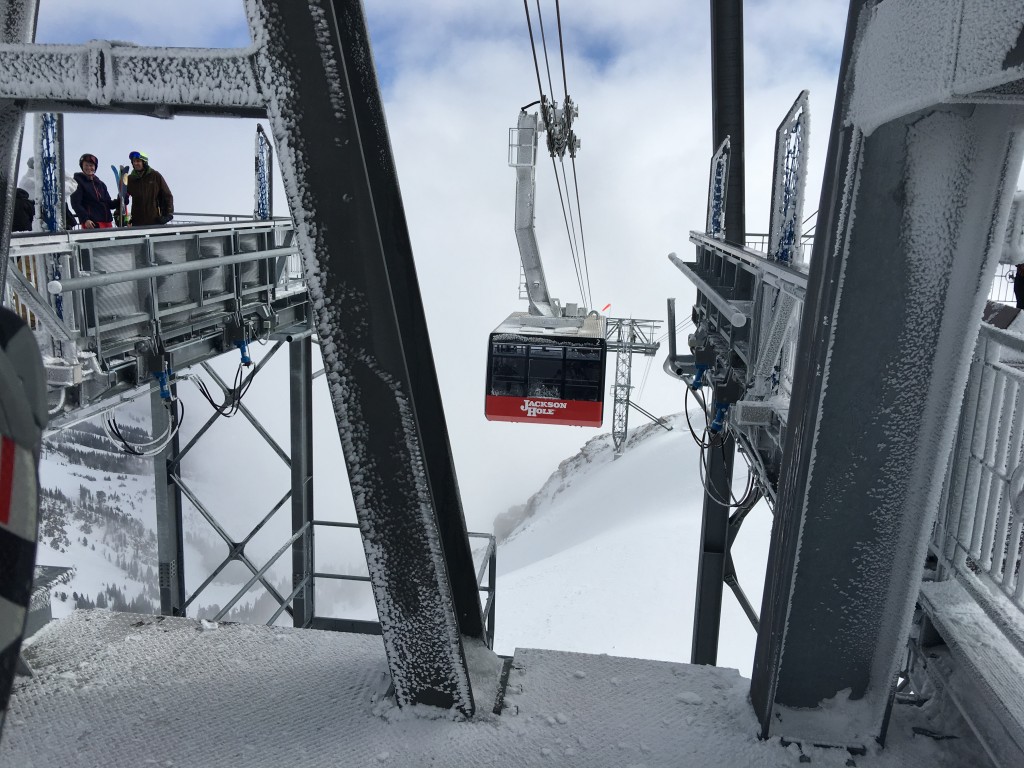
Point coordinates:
[[454, 75], [199, 23]]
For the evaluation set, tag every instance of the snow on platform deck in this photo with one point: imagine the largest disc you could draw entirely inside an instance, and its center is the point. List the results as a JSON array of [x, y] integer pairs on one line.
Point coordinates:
[[116, 689]]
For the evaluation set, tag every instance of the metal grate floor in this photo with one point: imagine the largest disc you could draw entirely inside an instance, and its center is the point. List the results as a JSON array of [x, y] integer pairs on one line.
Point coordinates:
[[118, 690]]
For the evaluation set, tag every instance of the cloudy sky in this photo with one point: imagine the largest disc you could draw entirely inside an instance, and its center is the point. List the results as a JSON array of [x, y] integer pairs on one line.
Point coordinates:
[[454, 74]]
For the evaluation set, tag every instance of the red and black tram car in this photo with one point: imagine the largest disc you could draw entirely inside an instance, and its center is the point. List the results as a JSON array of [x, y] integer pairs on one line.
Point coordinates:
[[547, 370]]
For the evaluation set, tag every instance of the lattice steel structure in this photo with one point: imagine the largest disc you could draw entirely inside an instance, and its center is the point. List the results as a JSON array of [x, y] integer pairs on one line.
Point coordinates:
[[310, 73], [628, 337]]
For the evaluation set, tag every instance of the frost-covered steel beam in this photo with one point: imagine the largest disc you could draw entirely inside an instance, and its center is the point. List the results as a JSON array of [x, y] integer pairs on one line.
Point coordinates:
[[17, 26], [727, 123], [102, 76], [727, 112], [325, 109], [913, 209], [975, 56], [300, 377]]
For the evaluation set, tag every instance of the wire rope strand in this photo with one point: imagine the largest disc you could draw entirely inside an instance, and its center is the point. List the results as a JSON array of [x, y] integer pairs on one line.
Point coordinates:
[[583, 240], [565, 216], [533, 47], [584, 281], [561, 47], [679, 328], [544, 45]]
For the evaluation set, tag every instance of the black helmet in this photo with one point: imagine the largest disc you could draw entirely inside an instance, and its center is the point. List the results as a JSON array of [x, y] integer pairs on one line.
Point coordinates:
[[91, 158]]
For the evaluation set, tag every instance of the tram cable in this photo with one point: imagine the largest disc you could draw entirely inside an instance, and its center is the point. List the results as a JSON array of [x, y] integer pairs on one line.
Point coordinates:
[[570, 221], [533, 47], [577, 244], [582, 248], [579, 213], [561, 45], [544, 45]]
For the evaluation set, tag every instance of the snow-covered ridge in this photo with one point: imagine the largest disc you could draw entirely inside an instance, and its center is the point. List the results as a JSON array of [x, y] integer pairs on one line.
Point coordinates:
[[595, 454]]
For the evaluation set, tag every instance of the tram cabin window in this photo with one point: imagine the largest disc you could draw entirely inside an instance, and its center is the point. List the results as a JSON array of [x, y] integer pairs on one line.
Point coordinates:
[[545, 379], [582, 373], [508, 369]]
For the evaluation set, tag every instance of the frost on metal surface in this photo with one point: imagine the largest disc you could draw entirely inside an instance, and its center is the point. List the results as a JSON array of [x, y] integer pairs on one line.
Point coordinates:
[[120, 690], [717, 187], [991, 50], [102, 73], [788, 183], [1013, 244], [181, 75], [911, 291], [916, 53], [362, 353]]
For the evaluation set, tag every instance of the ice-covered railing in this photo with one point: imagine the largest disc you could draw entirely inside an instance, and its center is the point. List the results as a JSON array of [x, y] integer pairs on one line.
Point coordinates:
[[760, 241], [1002, 285], [183, 217], [1012, 253], [484, 560], [91, 296], [978, 534]]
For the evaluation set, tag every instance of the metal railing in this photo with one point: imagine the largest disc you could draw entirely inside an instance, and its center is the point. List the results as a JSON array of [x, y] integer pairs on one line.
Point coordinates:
[[979, 533], [758, 241], [92, 297], [1002, 285], [487, 568]]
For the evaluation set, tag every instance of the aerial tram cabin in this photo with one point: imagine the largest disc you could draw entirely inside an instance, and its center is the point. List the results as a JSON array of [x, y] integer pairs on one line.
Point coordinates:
[[547, 370]]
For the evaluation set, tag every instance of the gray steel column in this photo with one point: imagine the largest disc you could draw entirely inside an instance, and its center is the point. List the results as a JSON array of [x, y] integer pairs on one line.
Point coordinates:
[[328, 123], [412, 319], [727, 121], [727, 114], [897, 285], [169, 534], [300, 356], [17, 25], [714, 551]]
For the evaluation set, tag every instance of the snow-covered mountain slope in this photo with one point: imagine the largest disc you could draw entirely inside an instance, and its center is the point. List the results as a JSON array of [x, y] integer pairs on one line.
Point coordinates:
[[97, 516], [603, 559]]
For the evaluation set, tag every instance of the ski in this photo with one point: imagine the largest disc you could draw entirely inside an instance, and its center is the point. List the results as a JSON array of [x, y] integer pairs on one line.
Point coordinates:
[[121, 180]]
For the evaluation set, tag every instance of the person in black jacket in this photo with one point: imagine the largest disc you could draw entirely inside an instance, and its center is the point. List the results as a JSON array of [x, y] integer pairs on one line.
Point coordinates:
[[24, 212], [91, 200], [1018, 286]]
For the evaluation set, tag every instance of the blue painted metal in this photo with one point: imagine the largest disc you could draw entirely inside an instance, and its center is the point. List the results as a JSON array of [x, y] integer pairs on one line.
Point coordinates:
[[50, 194], [264, 176], [788, 183], [717, 191]]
